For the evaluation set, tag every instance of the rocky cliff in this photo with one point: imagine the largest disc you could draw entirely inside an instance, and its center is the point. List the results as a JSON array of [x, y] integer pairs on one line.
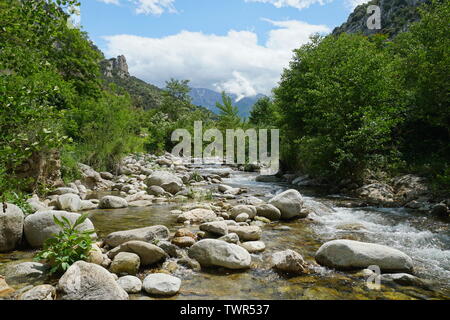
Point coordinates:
[[396, 16]]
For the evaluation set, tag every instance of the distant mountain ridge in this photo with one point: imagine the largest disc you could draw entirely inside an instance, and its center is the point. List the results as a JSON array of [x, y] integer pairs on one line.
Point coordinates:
[[207, 98]]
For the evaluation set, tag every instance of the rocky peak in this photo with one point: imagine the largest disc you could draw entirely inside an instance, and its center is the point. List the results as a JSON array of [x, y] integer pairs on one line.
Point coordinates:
[[396, 15], [116, 66]]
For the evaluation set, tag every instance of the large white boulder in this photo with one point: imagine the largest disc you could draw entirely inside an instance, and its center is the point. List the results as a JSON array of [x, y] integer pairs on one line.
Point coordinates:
[[40, 226], [88, 281], [147, 252], [350, 254], [162, 284], [290, 204], [147, 234], [218, 253], [166, 180], [112, 202], [11, 226]]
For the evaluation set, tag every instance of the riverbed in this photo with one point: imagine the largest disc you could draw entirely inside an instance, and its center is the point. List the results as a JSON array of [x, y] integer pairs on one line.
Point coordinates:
[[425, 239]]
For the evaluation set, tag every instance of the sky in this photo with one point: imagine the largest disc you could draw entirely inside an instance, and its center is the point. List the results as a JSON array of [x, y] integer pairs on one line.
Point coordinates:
[[239, 46]]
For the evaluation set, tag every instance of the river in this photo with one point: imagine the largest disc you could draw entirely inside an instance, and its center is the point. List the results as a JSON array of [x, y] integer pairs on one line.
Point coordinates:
[[425, 239]]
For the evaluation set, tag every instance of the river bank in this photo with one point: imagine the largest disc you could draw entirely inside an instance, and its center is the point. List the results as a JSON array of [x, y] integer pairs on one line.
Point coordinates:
[[186, 211]]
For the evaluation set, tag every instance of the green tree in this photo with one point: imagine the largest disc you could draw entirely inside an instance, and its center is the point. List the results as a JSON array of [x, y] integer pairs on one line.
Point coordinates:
[[228, 113], [340, 102]]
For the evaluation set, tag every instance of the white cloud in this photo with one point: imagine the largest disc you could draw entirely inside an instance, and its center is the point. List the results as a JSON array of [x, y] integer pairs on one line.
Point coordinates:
[[155, 7], [234, 62], [299, 4], [116, 2], [352, 4]]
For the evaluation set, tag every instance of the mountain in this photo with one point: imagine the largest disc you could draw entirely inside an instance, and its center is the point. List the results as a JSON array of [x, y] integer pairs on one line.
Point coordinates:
[[144, 95], [207, 98], [396, 16]]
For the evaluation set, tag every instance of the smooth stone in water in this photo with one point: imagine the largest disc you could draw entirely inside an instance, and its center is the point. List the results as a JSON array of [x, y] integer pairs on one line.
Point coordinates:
[[216, 227], [125, 263], [243, 208], [147, 234], [42, 292], [290, 204], [162, 284], [11, 227], [268, 211], [246, 233], [218, 253], [149, 253], [28, 272], [40, 226], [350, 254], [289, 261], [130, 284], [88, 281], [112, 202], [254, 246], [69, 201]]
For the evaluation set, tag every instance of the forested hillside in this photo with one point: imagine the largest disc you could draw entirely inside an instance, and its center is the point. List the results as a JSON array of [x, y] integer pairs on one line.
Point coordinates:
[[365, 108], [58, 108]]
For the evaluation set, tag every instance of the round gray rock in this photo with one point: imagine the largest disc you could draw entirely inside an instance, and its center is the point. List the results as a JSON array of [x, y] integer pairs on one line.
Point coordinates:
[[162, 284], [40, 226], [350, 254], [290, 203], [87, 281], [218, 253], [130, 284], [11, 227]]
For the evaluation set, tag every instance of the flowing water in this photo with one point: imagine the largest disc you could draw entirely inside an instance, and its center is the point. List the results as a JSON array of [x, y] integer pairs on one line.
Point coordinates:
[[425, 239]]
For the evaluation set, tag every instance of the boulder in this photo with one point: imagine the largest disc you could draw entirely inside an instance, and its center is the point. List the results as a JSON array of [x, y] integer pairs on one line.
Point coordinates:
[[95, 255], [219, 228], [40, 226], [5, 289], [254, 246], [230, 238], [289, 261], [268, 211], [112, 202], [106, 175], [166, 180], [376, 193], [242, 217], [88, 205], [140, 203], [147, 234], [147, 252], [130, 284], [242, 208], [11, 226], [350, 254], [125, 263], [290, 203], [28, 272], [162, 284], [69, 201], [197, 216], [183, 242], [218, 253], [156, 191], [246, 233], [64, 190], [88, 281], [42, 292]]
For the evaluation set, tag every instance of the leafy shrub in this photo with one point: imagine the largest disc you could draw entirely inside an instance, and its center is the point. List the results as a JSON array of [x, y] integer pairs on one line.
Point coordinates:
[[67, 247]]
